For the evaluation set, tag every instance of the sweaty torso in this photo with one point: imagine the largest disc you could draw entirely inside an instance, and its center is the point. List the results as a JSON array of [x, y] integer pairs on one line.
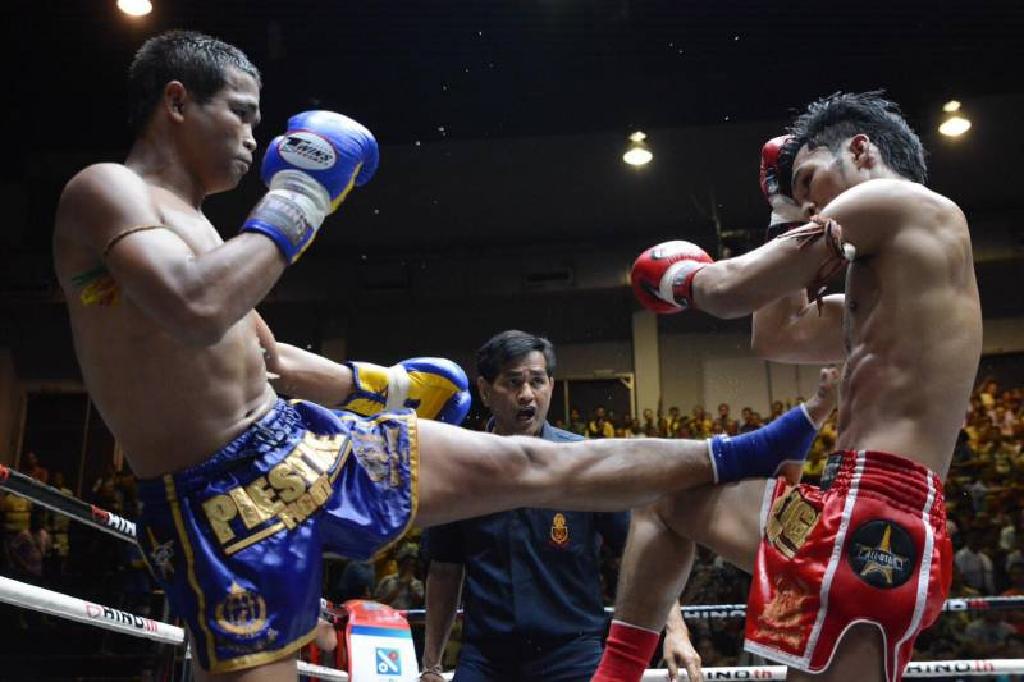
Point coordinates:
[[168, 404], [913, 337]]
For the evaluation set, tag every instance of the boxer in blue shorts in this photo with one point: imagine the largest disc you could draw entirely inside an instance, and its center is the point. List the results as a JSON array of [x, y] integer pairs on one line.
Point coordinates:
[[243, 492], [252, 522]]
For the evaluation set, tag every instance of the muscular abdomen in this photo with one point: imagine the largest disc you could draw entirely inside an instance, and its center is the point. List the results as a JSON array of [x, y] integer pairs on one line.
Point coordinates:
[[915, 341], [169, 405]]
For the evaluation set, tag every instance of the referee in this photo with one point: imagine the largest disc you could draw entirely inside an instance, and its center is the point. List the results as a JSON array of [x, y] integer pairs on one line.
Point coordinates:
[[533, 607]]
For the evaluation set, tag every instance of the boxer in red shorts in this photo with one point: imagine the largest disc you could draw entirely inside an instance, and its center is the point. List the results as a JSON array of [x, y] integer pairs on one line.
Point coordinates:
[[870, 548], [847, 573]]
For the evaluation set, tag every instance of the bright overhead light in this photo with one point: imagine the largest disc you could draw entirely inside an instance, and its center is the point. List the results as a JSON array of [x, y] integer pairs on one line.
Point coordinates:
[[955, 126], [951, 106], [638, 156], [135, 8]]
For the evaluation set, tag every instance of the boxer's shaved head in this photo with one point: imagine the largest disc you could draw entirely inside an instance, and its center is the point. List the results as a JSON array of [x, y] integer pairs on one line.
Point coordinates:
[[831, 120], [197, 61]]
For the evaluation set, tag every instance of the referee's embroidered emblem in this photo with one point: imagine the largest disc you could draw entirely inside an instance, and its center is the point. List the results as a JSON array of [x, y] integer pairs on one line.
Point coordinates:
[[559, 530]]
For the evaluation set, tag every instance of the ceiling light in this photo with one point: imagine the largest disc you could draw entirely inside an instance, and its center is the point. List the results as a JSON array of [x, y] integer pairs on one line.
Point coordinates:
[[638, 156], [135, 8], [951, 106], [955, 126]]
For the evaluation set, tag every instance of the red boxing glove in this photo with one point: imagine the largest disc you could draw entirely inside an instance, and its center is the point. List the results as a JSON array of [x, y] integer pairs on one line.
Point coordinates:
[[785, 212], [770, 165], [662, 276]]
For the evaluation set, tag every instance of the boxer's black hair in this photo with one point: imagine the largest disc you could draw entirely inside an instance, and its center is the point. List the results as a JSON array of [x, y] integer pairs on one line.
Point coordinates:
[[831, 120], [509, 345], [198, 61]]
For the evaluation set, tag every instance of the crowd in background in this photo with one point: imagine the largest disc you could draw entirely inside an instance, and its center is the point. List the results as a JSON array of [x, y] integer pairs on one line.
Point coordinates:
[[984, 493], [604, 423], [42, 547]]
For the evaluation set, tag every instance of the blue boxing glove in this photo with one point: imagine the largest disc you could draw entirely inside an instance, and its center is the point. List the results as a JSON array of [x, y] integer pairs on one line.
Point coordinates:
[[436, 388], [310, 170], [760, 453]]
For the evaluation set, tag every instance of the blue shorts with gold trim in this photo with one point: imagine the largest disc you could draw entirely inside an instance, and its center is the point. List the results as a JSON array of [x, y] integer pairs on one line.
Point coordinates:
[[237, 541]]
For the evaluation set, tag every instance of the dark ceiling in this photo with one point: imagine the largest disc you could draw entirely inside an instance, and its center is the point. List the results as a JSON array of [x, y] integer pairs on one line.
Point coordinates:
[[502, 125], [503, 122], [493, 68]]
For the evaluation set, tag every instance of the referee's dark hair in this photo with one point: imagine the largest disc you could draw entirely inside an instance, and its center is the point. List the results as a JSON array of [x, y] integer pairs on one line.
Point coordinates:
[[509, 345]]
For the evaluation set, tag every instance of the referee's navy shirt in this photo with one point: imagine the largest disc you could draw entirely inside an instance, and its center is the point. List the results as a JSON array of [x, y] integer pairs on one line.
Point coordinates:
[[531, 573]]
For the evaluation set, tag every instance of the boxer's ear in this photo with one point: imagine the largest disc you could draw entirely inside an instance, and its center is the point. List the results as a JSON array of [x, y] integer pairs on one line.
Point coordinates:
[[175, 95], [863, 151]]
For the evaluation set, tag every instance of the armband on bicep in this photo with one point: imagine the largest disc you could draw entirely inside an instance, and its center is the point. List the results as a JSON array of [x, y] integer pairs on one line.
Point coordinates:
[[116, 239], [97, 286], [840, 253], [818, 228]]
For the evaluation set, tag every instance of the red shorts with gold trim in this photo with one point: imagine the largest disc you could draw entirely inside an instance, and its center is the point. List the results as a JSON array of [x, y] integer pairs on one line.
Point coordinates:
[[868, 546]]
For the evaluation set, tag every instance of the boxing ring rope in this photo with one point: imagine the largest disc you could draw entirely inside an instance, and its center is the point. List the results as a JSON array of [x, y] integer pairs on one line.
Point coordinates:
[[723, 611], [28, 596], [120, 527], [54, 603], [64, 606], [68, 505]]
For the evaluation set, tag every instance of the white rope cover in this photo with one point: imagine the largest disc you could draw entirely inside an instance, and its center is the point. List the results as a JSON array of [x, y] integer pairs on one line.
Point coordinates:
[[995, 666], [47, 601], [720, 611], [930, 669], [311, 670]]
